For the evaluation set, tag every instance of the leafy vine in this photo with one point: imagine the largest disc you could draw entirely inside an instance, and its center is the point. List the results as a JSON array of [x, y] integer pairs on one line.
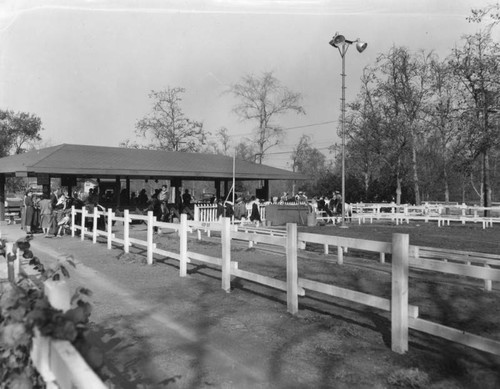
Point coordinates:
[[24, 307]]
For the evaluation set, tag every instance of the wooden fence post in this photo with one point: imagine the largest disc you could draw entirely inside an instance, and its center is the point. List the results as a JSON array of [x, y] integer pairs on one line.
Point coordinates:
[[149, 238], [226, 254], [12, 266], [487, 283], [340, 255], [110, 228], [183, 246], [95, 215], [82, 235], [73, 214], [399, 301], [126, 231], [292, 277]]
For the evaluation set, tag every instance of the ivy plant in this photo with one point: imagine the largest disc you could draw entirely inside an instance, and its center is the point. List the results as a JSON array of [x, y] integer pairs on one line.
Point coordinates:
[[24, 307]]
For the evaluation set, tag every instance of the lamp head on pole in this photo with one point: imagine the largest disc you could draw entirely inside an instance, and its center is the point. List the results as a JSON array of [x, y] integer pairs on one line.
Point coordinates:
[[361, 46], [337, 40]]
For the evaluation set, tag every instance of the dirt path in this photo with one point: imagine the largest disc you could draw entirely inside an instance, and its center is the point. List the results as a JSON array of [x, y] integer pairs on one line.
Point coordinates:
[[139, 328]]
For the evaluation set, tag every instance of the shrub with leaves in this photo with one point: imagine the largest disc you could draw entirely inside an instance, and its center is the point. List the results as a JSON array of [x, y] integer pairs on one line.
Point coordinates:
[[23, 307]]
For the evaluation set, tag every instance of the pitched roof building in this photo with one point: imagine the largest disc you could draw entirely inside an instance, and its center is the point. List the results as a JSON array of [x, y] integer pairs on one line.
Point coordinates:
[[69, 162]]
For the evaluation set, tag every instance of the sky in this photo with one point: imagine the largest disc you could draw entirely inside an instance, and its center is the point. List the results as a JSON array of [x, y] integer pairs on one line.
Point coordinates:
[[86, 67]]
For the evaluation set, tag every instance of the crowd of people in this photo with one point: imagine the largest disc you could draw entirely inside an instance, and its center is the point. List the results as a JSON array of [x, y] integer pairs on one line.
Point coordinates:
[[331, 206], [48, 214]]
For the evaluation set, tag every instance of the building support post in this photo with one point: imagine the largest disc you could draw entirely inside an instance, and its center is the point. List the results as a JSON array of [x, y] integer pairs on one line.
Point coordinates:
[[2, 198]]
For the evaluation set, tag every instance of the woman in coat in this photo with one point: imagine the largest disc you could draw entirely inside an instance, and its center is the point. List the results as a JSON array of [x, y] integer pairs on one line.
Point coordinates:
[[29, 211]]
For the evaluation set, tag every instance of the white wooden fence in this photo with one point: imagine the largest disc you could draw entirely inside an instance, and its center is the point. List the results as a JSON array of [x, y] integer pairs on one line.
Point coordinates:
[[58, 362], [443, 214], [404, 257], [208, 212]]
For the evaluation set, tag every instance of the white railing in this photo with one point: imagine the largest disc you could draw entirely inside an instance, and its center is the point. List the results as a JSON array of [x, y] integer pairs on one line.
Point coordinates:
[[403, 257], [208, 212], [443, 214]]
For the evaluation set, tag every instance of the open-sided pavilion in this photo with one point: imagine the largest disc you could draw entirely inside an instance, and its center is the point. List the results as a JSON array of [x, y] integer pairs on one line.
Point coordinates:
[[70, 162]]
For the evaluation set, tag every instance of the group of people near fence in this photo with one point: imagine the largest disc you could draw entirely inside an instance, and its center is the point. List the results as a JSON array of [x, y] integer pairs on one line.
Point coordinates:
[[48, 214], [165, 211], [328, 205], [243, 209], [331, 207]]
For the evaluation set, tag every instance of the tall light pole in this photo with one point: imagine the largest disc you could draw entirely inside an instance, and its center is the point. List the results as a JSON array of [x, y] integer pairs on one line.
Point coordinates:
[[342, 45]]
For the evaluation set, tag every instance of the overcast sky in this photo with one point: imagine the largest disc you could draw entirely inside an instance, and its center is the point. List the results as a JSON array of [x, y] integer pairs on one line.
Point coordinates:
[[86, 67]]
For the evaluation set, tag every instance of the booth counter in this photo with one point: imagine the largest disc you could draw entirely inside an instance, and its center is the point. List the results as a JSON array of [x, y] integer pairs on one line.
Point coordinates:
[[278, 215]]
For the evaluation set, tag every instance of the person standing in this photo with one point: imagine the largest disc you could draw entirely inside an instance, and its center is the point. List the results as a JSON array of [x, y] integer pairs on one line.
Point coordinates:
[[254, 213], [186, 204], [59, 214], [54, 196], [45, 214], [156, 207], [163, 198], [29, 211]]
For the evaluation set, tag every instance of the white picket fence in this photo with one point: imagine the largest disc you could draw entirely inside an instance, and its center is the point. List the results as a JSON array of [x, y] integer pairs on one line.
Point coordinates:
[[208, 213], [58, 362], [404, 257]]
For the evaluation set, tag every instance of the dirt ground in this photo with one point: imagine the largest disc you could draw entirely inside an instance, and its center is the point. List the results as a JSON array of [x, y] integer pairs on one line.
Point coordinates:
[[162, 331]]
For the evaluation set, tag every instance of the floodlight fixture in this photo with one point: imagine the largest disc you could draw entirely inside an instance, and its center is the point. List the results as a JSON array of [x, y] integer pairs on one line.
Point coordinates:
[[337, 40], [361, 46]]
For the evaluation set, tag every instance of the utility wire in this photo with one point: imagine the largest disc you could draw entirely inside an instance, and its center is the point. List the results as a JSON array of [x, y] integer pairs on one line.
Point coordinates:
[[292, 128]]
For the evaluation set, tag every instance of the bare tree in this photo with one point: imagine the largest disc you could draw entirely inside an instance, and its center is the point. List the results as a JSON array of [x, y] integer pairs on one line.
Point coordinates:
[[245, 150], [166, 127], [308, 159], [263, 99], [221, 144]]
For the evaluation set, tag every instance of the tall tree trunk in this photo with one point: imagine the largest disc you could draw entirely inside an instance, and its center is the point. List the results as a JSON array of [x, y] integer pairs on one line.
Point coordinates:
[[398, 188], [366, 182], [486, 182], [446, 186], [416, 187]]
